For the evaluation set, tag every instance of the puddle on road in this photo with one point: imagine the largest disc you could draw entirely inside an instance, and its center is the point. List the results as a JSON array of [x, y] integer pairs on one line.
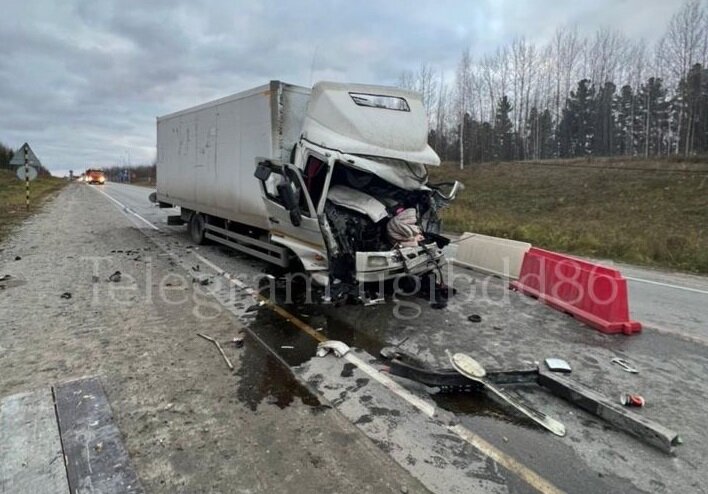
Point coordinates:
[[296, 347], [478, 405], [263, 378]]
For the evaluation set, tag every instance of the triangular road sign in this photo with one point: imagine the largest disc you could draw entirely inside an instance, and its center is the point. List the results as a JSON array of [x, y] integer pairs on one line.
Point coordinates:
[[18, 158]]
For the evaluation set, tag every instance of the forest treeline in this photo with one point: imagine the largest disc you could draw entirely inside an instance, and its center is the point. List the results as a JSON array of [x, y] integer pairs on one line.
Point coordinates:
[[598, 95]]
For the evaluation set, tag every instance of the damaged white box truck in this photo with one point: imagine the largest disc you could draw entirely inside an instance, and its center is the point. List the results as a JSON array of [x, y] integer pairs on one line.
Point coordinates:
[[331, 180]]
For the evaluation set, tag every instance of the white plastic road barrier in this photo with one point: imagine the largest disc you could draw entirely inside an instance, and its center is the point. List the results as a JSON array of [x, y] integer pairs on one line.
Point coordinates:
[[493, 255]]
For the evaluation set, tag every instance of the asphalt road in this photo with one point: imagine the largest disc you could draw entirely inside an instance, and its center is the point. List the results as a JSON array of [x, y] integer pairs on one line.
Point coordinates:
[[672, 302], [459, 444]]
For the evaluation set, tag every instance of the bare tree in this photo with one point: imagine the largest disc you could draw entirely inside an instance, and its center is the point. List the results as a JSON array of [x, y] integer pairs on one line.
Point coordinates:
[[462, 92]]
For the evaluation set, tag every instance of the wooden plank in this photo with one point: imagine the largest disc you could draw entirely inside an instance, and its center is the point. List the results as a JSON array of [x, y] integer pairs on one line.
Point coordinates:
[[31, 458], [96, 458]]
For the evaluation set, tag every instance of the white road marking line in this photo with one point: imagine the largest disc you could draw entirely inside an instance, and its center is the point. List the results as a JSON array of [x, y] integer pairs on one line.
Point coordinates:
[[423, 406], [522, 471], [508, 462], [667, 285], [126, 209]]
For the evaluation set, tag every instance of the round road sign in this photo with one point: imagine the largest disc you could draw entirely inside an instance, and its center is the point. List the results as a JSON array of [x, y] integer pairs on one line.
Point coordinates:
[[31, 172]]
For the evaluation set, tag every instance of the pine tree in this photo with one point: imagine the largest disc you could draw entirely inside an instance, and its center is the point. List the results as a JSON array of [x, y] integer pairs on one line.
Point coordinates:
[[503, 131], [576, 128], [605, 133], [625, 111], [652, 121]]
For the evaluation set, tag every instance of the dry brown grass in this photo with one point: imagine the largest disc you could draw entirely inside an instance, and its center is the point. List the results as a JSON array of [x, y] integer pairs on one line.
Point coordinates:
[[642, 212], [12, 198]]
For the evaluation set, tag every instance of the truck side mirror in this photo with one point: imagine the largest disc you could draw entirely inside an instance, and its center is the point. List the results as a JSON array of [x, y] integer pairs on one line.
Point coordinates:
[[262, 172]]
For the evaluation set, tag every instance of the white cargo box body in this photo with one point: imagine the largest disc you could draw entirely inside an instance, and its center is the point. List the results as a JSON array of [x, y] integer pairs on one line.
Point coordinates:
[[206, 154]]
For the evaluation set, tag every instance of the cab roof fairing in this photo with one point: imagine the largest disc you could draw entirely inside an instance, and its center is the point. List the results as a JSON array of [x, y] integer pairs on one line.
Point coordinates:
[[335, 121]]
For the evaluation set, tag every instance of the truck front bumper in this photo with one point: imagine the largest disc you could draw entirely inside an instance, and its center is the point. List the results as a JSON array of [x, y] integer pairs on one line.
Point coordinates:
[[378, 266]]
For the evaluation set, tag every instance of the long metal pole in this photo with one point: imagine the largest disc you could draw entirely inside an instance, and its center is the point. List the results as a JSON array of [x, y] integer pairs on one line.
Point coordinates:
[[27, 181]]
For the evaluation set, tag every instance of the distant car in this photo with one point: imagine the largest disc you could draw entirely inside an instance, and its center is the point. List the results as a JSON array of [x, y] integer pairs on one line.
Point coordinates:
[[94, 176]]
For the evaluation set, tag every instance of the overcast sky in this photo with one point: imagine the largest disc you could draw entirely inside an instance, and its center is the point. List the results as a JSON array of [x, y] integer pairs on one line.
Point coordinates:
[[83, 80]]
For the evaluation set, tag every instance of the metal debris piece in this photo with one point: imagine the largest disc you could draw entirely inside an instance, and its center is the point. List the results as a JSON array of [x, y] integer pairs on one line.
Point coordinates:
[[473, 370], [5, 277], [221, 350], [373, 301], [66, 295], [287, 347], [238, 341], [339, 348], [558, 365], [474, 318], [624, 365], [115, 277], [18, 258], [632, 400]]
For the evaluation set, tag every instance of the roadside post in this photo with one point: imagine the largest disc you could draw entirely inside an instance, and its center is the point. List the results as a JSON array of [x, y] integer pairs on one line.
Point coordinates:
[[27, 181], [25, 172]]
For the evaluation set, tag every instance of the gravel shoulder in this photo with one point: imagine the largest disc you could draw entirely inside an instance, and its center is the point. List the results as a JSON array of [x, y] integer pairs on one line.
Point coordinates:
[[190, 425]]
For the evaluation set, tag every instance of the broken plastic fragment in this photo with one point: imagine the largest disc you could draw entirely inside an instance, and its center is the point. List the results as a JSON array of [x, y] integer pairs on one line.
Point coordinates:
[[339, 348]]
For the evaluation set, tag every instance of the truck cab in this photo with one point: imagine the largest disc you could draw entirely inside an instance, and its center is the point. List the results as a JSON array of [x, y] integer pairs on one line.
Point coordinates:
[[354, 203], [95, 176]]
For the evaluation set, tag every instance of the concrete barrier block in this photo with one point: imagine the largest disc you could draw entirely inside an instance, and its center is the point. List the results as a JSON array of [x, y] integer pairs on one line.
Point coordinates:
[[493, 255]]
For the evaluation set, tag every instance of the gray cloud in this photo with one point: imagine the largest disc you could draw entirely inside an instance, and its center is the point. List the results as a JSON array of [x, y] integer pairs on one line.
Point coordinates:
[[83, 80]]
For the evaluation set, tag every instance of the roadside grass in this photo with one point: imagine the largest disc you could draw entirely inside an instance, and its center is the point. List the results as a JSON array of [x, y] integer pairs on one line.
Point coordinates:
[[12, 198], [638, 211]]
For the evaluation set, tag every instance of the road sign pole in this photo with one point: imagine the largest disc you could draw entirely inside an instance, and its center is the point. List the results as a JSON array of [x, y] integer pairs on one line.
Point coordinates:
[[27, 181]]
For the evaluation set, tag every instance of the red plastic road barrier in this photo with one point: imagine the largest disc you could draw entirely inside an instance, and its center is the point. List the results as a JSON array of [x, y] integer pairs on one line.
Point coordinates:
[[594, 294]]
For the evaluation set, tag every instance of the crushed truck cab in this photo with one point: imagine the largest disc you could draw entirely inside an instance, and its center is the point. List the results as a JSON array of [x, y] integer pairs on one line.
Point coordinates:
[[334, 177]]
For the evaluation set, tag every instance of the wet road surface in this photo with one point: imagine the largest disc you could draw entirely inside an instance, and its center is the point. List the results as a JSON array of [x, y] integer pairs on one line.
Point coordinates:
[[429, 436]]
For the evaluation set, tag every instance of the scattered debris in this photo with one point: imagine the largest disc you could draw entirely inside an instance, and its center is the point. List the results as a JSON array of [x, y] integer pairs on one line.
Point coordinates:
[[624, 365], [66, 295], [373, 301], [238, 341], [474, 318], [5, 277], [115, 277], [473, 370], [632, 400], [255, 306], [196, 268], [558, 365], [339, 348], [18, 258], [221, 350]]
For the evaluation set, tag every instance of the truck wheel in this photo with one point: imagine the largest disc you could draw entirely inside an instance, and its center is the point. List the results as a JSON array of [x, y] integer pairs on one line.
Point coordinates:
[[197, 227]]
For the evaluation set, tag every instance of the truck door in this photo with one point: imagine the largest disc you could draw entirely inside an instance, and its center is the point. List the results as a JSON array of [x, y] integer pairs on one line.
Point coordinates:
[[289, 205]]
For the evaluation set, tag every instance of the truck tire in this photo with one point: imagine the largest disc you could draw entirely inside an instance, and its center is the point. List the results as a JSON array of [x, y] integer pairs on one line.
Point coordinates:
[[197, 227]]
